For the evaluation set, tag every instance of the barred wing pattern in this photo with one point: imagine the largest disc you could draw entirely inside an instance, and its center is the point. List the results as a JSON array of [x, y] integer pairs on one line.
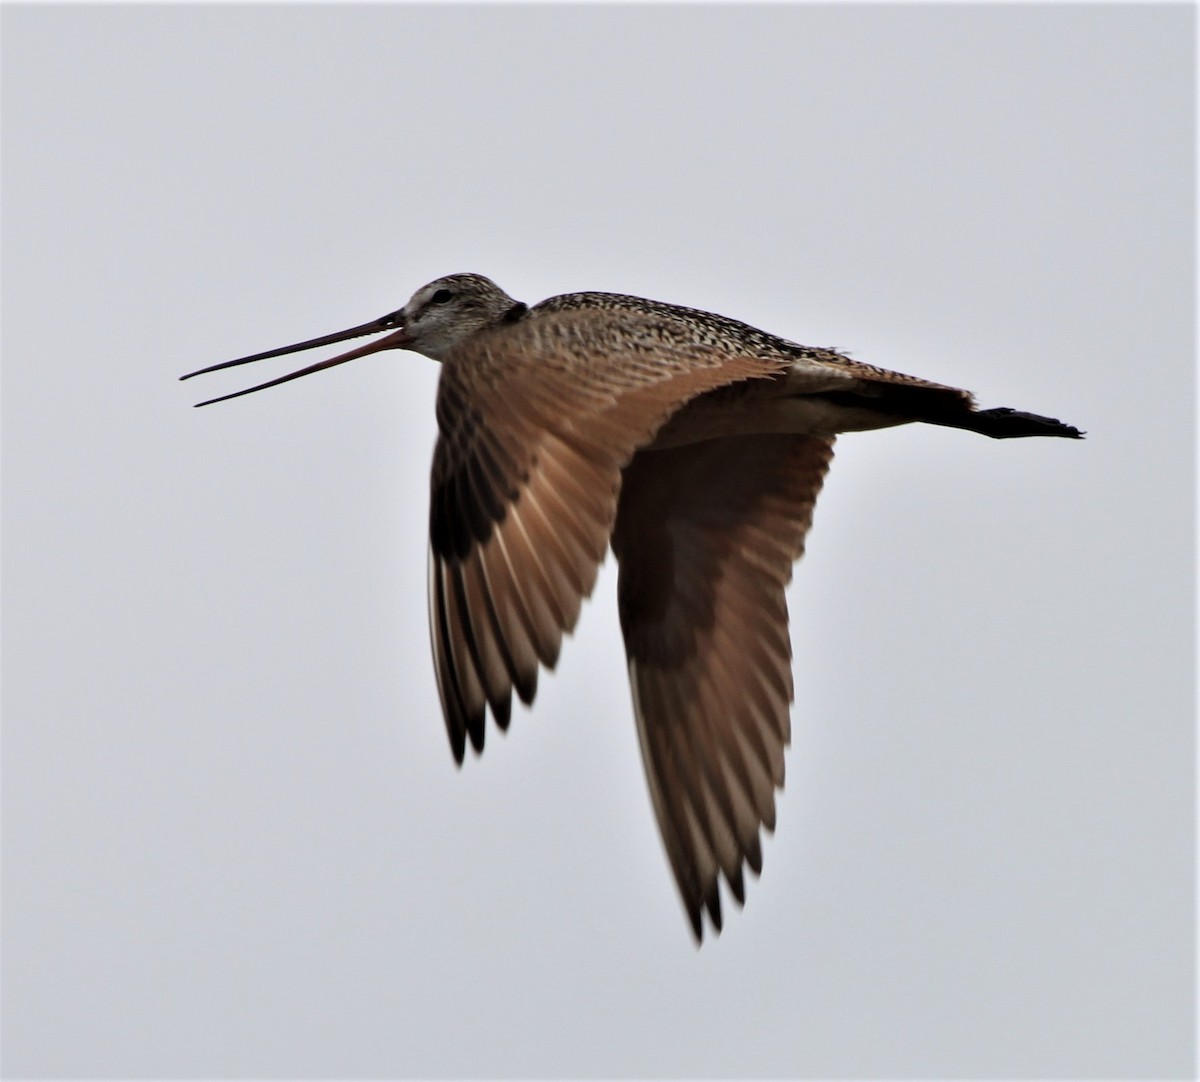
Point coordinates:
[[706, 536], [536, 423]]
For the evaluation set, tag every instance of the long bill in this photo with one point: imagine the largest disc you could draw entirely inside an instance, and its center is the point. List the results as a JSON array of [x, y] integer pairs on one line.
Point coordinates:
[[398, 339]]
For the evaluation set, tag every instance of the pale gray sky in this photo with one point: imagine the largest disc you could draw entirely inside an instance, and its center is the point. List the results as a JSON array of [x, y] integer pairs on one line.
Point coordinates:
[[235, 843]]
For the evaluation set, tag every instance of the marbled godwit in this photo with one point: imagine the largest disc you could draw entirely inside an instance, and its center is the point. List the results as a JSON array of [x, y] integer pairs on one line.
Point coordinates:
[[696, 445]]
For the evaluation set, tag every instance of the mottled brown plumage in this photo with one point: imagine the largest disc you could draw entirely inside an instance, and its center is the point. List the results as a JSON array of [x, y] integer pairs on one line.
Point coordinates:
[[695, 445]]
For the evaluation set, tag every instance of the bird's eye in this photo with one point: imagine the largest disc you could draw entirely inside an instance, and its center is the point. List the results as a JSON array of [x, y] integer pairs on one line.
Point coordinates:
[[441, 296]]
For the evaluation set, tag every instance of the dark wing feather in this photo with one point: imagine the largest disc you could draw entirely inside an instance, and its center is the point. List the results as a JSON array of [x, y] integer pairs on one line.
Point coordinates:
[[706, 536]]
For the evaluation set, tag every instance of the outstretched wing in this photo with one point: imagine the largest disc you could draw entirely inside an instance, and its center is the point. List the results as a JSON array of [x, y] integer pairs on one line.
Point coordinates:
[[536, 422], [706, 536]]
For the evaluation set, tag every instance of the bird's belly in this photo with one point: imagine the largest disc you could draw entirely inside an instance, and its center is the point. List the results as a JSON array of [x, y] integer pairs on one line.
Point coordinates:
[[782, 407]]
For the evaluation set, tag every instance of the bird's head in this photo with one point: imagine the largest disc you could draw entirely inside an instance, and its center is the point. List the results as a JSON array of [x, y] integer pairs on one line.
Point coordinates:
[[450, 310], [436, 318]]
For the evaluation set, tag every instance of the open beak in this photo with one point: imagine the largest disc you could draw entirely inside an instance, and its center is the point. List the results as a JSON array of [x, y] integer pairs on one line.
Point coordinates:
[[398, 339]]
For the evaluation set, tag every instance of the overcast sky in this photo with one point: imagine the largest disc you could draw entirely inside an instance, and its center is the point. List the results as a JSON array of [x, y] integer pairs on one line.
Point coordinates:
[[235, 842]]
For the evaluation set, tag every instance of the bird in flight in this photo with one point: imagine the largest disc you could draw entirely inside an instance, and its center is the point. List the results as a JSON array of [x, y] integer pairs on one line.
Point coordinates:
[[695, 445]]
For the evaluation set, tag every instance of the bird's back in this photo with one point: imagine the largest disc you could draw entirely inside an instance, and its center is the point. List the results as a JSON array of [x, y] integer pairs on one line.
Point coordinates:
[[690, 326], [682, 327]]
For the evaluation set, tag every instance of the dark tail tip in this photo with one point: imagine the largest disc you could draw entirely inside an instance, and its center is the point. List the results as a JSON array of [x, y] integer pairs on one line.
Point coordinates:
[[1004, 423]]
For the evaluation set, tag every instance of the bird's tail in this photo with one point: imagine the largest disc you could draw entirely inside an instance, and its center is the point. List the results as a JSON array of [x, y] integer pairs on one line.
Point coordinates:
[[951, 408], [1004, 423]]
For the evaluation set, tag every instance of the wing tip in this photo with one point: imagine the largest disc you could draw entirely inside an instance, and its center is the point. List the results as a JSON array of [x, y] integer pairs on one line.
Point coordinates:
[[502, 712], [458, 746]]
